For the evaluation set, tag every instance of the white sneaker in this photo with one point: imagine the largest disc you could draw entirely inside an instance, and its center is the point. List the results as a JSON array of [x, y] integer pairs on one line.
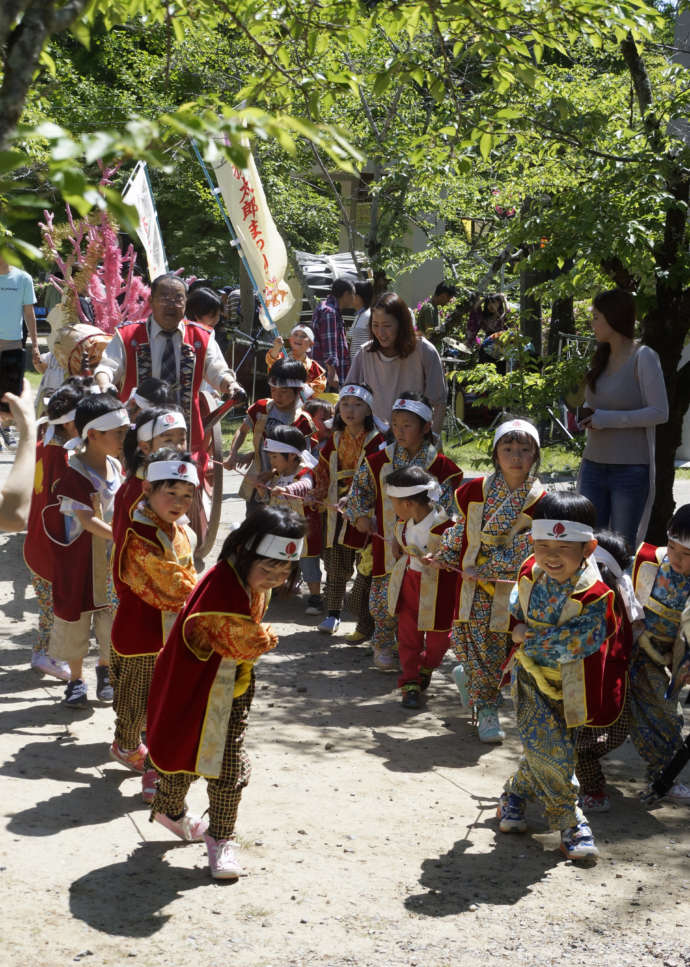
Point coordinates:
[[330, 625], [45, 665], [222, 858], [489, 728], [187, 827], [679, 793], [385, 660]]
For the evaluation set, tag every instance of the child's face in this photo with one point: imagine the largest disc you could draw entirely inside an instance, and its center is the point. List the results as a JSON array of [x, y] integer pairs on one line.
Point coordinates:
[[404, 509], [171, 500], [107, 442], [561, 559], [515, 459], [408, 430], [283, 463], [266, 573], [353, 411], [300, 344], [69, 430], [211, 319], [678, 557], [283, 396], [176, 438]]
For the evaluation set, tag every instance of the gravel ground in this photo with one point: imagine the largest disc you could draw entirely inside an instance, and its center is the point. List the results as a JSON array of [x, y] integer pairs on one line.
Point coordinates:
[[369, 833]]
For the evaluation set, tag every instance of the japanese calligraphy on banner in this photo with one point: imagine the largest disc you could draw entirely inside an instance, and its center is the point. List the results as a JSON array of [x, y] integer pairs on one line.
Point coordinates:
[[262, 245], [138, 193]]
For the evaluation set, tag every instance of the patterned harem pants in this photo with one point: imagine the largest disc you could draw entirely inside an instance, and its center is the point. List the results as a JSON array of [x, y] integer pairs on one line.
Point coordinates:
[[657, 725], [385, 625], [44, 595], [546, 769], [131, 681], [225, 792], [481, 651]]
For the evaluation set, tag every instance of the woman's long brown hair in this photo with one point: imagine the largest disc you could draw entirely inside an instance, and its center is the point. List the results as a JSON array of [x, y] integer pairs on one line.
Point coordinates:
[[618, 308], [394, 305]]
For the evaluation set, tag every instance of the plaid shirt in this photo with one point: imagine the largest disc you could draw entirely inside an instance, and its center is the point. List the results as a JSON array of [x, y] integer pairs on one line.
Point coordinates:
[[329, 337]]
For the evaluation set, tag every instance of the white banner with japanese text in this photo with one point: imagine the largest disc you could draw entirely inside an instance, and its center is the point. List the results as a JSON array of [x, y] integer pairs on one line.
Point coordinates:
[[261, 243], [138, 193]]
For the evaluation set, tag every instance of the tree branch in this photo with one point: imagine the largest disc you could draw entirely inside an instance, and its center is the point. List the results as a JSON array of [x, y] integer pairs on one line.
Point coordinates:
[[642, 85]]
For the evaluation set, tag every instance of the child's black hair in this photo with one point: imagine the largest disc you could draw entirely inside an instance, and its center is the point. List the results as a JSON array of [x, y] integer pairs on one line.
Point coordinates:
[[287, 369], [167, 453], [81, 383], [678, 527], [517, 436], [319, 408], [132, 457], [565, 505], [417, 398], [412, 477], [154, 391], [62, 401], [618, 548], [289, 435], [369, 424], [201, 301], [240, 545], [92, 406]]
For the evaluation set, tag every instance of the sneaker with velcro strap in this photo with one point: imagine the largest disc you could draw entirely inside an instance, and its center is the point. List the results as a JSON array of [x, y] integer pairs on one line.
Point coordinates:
[[577, 843], [511, 813]]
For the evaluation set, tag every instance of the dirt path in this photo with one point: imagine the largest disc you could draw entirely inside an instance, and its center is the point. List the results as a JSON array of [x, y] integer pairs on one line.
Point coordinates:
[[369, 833]]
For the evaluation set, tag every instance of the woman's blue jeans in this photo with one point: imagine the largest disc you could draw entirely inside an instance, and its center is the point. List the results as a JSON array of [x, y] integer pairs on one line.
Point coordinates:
[[619, 493]]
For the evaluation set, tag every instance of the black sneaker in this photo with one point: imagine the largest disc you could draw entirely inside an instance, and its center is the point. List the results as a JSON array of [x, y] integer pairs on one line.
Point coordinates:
[[314, 604], [104, 690], [75, 694], [411, 698]]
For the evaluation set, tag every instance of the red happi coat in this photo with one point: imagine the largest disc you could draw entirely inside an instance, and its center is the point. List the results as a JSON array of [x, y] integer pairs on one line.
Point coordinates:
[[51, 463], [139, 628], [436, 586], [195, 340], [80, 567], [338, 529], [190, 693], [126, 499], [592, 694], [380, 464], [469, 501]]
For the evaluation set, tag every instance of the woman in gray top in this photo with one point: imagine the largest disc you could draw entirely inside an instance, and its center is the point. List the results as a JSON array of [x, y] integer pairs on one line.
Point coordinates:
[[625, 400], [396, 360]]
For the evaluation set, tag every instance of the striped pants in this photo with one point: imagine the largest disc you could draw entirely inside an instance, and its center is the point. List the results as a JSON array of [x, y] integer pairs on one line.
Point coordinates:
[[224, 792]]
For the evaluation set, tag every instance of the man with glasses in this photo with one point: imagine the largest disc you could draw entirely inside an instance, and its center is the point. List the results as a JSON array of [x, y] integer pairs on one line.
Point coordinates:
[[171, 348]]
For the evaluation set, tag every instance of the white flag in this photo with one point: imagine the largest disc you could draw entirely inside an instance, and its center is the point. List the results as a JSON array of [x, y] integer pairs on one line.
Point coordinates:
[[138, 193], [262, 245]]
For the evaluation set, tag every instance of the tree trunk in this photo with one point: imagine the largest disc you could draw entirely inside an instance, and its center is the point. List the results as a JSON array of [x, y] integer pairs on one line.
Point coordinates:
[[530, 308], [562, 320]]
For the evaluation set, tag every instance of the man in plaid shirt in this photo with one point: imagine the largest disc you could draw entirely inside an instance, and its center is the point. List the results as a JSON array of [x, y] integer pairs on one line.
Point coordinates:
[[330, 347]]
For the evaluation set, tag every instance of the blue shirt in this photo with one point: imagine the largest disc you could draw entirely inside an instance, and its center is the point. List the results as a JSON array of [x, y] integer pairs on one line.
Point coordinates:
[[16, 291]]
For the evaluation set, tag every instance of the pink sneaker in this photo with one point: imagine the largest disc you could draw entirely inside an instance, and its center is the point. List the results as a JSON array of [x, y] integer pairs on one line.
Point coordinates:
[[135, 760], [189, 828], [222, 858], [149, 785]]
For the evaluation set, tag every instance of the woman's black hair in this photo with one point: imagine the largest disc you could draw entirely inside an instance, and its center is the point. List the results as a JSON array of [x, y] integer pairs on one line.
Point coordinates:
[[411, 477], [132, 456], [417, 398], [618, 548], [240, 545], [369, 424], [285, 369], [201, 302], [289, 435], [154, 391], [62, 401], [566, 505], [92, 406], [679, 525], [365, 291], [519, 436], [618, 308], [167, 453]]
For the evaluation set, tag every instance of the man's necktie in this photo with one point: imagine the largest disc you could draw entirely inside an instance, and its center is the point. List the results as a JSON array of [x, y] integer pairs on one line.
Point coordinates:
[[168, 365]]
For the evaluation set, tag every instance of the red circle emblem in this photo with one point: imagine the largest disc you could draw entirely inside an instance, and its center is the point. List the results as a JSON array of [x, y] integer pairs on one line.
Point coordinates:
[[290, 548], [182, 469], [168, 418], [558, 529]]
